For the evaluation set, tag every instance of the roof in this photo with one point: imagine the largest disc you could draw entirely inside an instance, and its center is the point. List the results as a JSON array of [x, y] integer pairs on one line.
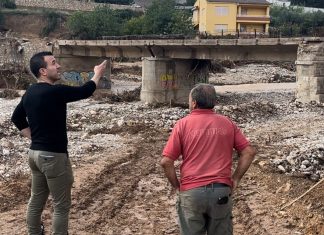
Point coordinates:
[[259, 2]]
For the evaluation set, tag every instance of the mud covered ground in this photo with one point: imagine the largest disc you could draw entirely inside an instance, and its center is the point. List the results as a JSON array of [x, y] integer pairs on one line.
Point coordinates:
[[119, 188]]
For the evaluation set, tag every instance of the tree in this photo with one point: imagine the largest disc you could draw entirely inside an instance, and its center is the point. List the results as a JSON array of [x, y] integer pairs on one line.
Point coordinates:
[[308, 3], [101, 22], [1, 20], [191, 2], [52, 20], [160, 18], [134, 26], [181, 23], [163, 18], [7, 4], [294, 21]]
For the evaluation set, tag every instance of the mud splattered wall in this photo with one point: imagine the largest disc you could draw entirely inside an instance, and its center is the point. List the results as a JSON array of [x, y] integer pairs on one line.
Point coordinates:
[[17, 52]]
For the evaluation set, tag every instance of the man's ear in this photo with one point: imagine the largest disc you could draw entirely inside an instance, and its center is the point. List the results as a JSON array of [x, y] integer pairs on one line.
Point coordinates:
[[194, 104], [43, 71]]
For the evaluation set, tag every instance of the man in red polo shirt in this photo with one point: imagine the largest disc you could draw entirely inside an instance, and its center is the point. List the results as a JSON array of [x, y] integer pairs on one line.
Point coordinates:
[[205, 140]]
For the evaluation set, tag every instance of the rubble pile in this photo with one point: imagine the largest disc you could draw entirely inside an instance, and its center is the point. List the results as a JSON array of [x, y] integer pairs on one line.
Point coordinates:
[[9, 94], [253, 73], [308, 161], [93, 123], [248, 112]]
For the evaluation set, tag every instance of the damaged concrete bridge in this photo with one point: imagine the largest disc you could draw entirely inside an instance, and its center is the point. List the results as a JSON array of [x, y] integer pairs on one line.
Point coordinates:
[[171, 67]]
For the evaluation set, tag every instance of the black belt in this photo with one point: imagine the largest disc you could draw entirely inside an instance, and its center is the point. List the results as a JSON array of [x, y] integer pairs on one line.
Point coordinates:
[[216, 185]]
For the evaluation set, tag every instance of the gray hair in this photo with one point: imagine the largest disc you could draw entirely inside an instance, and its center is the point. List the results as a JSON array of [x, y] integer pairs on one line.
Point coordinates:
[[204, 95]]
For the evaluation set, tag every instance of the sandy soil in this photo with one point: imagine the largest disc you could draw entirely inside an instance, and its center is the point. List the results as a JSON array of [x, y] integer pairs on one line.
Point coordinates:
[[119, 186]]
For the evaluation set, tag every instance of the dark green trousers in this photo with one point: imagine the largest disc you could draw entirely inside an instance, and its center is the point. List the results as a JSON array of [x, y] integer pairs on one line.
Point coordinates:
[[51, 174]]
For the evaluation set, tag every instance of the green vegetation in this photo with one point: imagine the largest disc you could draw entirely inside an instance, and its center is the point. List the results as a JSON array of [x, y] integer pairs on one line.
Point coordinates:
[[120, 2], [8, 4], [308, 3], [294, 21], [1, 19], [160, 18], [52, 20], [101, 22], [191, 2]]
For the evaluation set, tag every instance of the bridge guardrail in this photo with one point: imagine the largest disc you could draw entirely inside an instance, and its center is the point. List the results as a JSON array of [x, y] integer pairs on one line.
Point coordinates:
[[286, 32]]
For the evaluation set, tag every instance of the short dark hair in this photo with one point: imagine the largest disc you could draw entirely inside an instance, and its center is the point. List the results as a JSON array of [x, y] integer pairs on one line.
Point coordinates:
[[37, 62], [204, 95]]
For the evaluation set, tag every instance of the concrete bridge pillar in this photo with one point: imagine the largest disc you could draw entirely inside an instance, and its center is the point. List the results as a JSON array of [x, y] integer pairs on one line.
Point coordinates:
[[167, 80], [76, 70], [310, 72]]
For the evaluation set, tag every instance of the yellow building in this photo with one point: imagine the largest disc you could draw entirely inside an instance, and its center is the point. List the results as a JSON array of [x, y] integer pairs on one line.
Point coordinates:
[[217, 17]]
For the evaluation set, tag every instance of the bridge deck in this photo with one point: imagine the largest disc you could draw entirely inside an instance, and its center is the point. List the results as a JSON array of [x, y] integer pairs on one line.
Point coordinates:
[[267, 49], [191, 42]]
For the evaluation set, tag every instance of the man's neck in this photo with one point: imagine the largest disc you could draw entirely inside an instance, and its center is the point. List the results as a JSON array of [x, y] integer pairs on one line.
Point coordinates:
[[45, 80]]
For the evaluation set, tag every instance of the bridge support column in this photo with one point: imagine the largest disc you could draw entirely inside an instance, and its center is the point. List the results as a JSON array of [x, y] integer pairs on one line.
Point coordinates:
[[76, 70], [310, 72], [167, 80]]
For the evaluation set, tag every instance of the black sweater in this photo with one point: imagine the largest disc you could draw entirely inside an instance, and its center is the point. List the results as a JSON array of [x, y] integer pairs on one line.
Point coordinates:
[[43, 109]]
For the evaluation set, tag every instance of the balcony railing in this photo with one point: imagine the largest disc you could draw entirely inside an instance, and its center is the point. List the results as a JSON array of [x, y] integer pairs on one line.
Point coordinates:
[[253, 18], [242, 15]]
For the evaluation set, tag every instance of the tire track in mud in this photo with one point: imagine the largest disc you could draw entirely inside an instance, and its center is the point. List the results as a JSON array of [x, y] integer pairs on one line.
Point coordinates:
[[99, 200]]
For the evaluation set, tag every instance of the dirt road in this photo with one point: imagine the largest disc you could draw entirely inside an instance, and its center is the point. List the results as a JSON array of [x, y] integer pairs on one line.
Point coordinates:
[[119, 186]]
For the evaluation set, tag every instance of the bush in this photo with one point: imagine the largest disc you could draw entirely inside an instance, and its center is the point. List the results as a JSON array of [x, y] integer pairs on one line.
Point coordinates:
[[8, 4], [52, 20]]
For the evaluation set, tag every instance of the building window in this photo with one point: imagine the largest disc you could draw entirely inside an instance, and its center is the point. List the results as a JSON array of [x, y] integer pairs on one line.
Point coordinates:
[[221, 28], [243, 28], [244, 11], [221, 11]]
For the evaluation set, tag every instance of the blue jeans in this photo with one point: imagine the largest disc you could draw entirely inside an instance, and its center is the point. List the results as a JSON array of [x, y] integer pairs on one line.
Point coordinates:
[[51, 173], [206, 209]]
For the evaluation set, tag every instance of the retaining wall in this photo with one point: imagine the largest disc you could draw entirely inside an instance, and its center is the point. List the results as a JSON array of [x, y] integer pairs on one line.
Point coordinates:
[[72, 5]]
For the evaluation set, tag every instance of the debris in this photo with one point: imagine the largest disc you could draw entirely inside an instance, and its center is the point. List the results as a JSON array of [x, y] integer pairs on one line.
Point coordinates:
[[293, 201]]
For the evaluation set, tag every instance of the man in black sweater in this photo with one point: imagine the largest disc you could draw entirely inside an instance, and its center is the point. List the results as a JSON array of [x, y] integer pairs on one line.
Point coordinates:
[[41, 117]]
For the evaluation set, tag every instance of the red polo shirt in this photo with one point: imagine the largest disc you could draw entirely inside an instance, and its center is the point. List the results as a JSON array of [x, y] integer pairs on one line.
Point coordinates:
[[205, 140]]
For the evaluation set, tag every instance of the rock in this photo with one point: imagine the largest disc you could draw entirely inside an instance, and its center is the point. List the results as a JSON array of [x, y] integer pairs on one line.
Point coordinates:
[[281, 168], [120, 122], [287, 187], [5, 152], [314, 177], [174, 117], [305, 162], [290, 160], [85, 135], [92, 112], [262, 163]]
